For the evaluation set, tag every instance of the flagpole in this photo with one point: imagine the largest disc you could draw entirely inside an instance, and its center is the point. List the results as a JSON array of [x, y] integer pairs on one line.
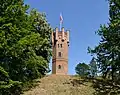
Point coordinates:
[[60, 25], [61, 21]]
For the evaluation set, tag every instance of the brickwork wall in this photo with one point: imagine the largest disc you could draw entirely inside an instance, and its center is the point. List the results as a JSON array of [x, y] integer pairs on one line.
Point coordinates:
[[60, 44]]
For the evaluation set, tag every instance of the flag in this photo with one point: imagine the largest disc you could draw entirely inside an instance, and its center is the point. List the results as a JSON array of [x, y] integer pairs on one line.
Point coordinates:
[[61, 18]]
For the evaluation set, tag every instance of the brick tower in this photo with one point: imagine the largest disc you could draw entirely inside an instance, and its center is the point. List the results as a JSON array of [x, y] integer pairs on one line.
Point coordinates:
[[60, 43]]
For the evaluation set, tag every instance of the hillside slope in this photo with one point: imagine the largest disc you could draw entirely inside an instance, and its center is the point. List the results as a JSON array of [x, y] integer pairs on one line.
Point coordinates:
[[60, 85]]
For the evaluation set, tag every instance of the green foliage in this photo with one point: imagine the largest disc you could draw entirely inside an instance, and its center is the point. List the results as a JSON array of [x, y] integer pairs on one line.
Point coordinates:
[[7, 86], [93, 67], [82, 69], [108, 50], [25, 45], [10, 88]]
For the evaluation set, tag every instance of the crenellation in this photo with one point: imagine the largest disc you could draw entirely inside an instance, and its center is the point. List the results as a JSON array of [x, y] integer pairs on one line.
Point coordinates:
[[56, 33], [68, 36]]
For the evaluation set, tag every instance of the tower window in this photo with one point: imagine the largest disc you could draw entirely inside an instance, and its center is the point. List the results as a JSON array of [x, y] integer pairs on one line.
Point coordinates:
[[59, 54], [61, 45], [58, 45], [59, 66]]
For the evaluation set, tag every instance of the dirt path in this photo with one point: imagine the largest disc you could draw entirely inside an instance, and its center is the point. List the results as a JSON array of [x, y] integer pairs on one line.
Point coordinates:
[[60, 85]]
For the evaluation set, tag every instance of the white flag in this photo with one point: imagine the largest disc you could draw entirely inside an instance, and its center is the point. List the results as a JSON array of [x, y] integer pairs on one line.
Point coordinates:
[[61, 18]]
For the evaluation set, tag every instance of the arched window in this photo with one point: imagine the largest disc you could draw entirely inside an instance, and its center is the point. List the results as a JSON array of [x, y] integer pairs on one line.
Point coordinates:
[[59, 54], [61, 45], [59, 66]]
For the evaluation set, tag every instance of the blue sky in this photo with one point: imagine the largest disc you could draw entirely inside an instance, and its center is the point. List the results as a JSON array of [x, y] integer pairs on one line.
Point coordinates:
[[81, 17]]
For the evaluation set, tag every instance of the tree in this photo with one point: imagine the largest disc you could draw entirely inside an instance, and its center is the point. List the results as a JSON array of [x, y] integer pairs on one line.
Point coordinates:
[[25, 45], [82, 69], [93, 67], [108, 50]]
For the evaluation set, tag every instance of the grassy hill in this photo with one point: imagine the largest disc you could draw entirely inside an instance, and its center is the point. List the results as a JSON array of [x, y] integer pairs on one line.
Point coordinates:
[[71, 85], [61, 85]]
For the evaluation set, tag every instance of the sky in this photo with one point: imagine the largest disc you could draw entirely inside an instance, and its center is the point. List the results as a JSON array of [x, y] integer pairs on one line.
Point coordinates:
[[82, 18]]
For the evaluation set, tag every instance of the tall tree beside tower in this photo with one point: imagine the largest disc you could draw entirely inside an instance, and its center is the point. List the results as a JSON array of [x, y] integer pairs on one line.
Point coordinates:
[[25, 46], [108, 50]]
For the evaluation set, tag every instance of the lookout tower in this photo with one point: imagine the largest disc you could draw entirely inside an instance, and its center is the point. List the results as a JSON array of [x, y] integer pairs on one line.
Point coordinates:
[[60, 44]]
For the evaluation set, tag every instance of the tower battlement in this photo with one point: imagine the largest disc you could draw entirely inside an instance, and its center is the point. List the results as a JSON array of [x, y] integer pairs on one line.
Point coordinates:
[[63, 35], [60, 43]]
